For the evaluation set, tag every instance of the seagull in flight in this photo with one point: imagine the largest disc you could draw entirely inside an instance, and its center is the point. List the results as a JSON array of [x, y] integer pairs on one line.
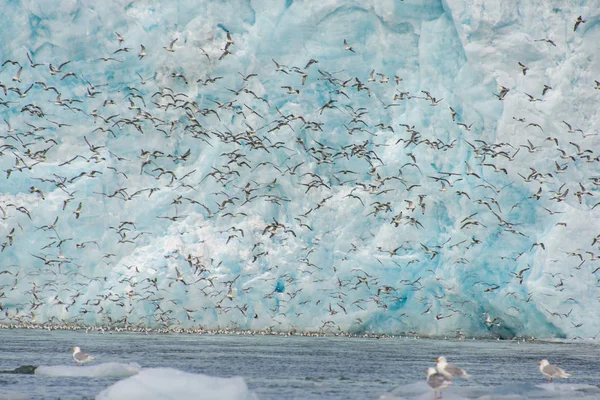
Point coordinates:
[[142, 52], [310, 62], [170, 48], [523, 68], [347, 46], [578, 21]]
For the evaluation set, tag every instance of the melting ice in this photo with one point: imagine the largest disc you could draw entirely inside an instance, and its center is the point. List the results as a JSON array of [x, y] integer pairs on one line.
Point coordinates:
[[236, 165]]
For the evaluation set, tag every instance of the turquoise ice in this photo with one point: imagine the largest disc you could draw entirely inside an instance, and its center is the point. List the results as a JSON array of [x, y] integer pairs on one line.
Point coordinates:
[[191, 194]]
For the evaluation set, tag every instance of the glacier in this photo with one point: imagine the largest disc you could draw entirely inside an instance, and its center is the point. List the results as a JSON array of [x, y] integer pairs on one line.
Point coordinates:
[[185, 165]]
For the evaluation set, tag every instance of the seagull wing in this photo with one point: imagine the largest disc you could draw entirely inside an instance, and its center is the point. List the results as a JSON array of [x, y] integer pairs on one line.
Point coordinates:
[[437, 380], [554, 371], [455, 371], [81, 356]]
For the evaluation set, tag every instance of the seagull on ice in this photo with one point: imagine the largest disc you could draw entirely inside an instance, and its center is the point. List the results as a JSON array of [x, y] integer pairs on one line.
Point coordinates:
[[449, 370], [80, 357], [551, 371], [437, 382]]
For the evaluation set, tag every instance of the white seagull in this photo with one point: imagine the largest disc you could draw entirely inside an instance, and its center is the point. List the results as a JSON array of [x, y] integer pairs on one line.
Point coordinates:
[[80, 357], [437, 382], [449, 370], [347, 47], [551, 371]]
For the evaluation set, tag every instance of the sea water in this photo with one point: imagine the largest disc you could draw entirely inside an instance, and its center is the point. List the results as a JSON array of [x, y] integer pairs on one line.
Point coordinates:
[[293, 367]]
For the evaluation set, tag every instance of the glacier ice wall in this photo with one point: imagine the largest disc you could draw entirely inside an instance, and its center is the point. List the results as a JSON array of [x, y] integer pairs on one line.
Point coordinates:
[[187, 165]]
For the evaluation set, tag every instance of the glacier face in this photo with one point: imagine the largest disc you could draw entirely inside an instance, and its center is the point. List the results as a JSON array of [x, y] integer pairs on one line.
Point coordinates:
[[391, 186]]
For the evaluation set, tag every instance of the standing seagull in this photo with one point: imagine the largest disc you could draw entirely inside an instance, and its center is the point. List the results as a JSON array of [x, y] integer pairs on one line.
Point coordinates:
[[80, 357], [437, 382], [449, 370], [551, 371]]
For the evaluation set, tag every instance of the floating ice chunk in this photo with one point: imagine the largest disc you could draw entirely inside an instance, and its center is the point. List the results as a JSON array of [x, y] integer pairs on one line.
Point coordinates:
[[169, 383], [512, 391], [570, 387], [105, 370], [12, 396]]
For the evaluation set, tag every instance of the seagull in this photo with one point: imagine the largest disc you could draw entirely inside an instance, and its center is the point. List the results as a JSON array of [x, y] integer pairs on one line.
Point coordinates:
[[467, 127], [310, 62], [31, 63], [55, 70], [470, 171], [280, 67], [142, 52], [225, 53], [290, 90], [245, 78], [304, 75], [80, 357], [547, 41], [503, 92], [119, 38], [78, 213], [523, 68], [453, 113], [229, 40], [204, 52], [449, 370], [17, 77], [437, 382], [577, 22], [551, 371], [571, 130], [170, 48], [372, 76], [347, 46]]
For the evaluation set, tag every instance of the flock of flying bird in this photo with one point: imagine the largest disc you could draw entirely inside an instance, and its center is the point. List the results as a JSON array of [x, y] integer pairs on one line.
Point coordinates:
[[105, 157]]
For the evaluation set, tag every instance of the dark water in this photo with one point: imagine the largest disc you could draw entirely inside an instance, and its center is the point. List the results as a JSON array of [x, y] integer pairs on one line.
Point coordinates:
[[277, 367]]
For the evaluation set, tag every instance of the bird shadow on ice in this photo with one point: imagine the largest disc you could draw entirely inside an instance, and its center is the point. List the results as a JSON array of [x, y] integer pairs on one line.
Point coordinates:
[[420, 391]]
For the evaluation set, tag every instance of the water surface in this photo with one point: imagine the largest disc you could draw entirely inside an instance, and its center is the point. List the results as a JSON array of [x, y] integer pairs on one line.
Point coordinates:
[[277, 367]]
